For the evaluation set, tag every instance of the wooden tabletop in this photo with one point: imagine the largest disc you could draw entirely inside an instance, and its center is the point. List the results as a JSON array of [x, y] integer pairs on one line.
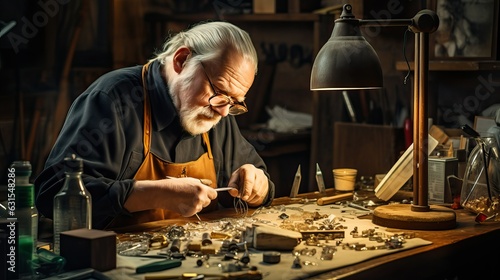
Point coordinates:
[[469, 251]]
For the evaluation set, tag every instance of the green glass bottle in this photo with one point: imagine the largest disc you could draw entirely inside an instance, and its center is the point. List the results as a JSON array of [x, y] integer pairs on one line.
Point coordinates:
[[27, 218]]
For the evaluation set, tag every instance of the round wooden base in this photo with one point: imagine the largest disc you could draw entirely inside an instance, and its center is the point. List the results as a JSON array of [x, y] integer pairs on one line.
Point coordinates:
[[401, 216]]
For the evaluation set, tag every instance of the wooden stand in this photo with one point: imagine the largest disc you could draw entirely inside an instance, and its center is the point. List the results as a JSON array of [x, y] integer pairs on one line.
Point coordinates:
[[418, 215], [401, 216]]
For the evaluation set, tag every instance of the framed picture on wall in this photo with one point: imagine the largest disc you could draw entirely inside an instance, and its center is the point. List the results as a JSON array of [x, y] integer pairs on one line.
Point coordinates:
[[468, 29]]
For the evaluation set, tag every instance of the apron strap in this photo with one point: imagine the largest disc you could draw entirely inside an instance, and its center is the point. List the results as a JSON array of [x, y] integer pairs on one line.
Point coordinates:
[[147, 112], [206, 140]]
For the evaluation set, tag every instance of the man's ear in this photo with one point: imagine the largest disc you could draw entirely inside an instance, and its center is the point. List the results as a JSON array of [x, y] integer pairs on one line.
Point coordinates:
[[180, 57]]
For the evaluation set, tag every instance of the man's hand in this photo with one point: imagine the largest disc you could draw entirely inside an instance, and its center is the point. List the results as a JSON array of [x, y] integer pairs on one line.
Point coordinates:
[[186, 196], [250, 183]]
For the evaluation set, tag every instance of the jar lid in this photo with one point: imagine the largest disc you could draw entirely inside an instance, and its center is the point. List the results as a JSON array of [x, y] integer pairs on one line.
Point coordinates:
[[73, 164]]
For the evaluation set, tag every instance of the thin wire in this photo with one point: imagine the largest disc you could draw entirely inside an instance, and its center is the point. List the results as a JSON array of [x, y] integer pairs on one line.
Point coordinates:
[[486, 161], [197, 217], [405, 37], [240, 206]]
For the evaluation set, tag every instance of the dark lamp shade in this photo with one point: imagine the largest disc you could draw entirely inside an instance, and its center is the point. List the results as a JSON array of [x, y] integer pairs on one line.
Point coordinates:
[[347, 61]]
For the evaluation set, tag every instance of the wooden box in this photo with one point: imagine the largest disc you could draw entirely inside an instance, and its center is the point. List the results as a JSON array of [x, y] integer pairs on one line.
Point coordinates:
[[303, 6], [89, 248], [372, 149], [269, 6]]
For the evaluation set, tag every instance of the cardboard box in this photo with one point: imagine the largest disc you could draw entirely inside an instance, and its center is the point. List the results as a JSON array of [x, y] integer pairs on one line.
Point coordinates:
[[89, 248]]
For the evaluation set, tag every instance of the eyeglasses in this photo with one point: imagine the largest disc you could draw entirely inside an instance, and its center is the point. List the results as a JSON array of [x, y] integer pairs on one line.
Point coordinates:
[[220, 99]]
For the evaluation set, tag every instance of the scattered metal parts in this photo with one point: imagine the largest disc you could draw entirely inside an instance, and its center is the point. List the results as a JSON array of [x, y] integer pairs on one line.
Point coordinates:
[[308, 200], [220, 235], [233, 246], [395, 241], [356, 196], [203, 261], [359, 207], [371, 248], [354, 231], [257, 211], [176, 232], [175, 246], [245, 259], [296, 262], [271, 257], [328, 252], [206, 239], [178, 256], [354, 246], [308, 252], [309, 221], [284, 216], [312, 240], [158, 241], [307, 263], [323, 234]]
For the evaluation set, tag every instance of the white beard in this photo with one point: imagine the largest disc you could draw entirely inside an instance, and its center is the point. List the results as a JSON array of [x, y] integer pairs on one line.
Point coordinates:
[[198, 120], [195, 119]]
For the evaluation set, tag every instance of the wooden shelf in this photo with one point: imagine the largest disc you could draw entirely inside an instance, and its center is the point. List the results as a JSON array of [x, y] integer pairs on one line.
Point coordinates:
[[464, 65], [285, 17]]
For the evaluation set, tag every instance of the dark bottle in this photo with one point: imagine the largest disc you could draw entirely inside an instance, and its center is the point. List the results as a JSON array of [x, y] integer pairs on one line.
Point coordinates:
[[73, 203]]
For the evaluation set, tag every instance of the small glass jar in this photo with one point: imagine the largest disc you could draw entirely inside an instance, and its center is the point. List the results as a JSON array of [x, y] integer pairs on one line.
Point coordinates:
[[481, 185]]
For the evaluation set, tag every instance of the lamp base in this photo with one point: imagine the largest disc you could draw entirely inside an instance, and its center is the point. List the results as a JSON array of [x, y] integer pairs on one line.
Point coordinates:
[[401, 216]]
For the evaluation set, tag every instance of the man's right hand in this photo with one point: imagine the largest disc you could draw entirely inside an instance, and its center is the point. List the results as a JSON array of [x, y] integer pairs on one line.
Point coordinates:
[[186, 196]]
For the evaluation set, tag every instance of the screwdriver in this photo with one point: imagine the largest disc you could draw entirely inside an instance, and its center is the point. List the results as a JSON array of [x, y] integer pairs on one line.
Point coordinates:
[[158, 266]]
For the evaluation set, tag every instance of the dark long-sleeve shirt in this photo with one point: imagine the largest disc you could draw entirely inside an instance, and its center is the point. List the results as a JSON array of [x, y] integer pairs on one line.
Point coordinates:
[[104, 127]]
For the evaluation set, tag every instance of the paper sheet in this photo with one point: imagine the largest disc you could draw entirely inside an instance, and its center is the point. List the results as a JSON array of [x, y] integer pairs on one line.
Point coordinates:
[[284, 270]]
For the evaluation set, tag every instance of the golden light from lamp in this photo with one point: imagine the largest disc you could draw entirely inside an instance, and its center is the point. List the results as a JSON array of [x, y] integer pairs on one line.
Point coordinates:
[[347, 62]]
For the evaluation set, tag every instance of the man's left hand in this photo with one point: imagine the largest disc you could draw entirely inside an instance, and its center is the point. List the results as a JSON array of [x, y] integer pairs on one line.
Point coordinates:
[[250, 183]]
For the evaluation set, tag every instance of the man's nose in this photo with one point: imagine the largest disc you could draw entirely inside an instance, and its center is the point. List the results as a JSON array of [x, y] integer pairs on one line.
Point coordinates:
[[222, 110]]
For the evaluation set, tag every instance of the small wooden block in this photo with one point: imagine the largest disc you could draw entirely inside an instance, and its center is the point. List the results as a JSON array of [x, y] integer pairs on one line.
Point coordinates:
[[268, 237], [439, 134], [89, 248]]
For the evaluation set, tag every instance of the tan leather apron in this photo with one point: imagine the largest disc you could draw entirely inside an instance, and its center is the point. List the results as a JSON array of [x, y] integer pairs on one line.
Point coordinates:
[[154, 168]]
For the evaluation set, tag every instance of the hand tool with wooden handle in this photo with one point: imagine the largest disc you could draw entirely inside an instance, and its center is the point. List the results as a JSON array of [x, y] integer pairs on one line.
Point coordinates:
[[333, 199]]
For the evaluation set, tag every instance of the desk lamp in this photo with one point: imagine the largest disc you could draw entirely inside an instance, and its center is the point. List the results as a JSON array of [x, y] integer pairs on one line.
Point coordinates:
[[348, 62]]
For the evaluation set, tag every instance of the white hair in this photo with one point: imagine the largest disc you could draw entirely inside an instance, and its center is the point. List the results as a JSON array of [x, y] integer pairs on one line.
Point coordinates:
[[208, 39]]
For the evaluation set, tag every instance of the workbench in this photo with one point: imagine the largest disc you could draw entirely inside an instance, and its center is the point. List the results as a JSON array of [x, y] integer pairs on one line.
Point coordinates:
[[469, 251]]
